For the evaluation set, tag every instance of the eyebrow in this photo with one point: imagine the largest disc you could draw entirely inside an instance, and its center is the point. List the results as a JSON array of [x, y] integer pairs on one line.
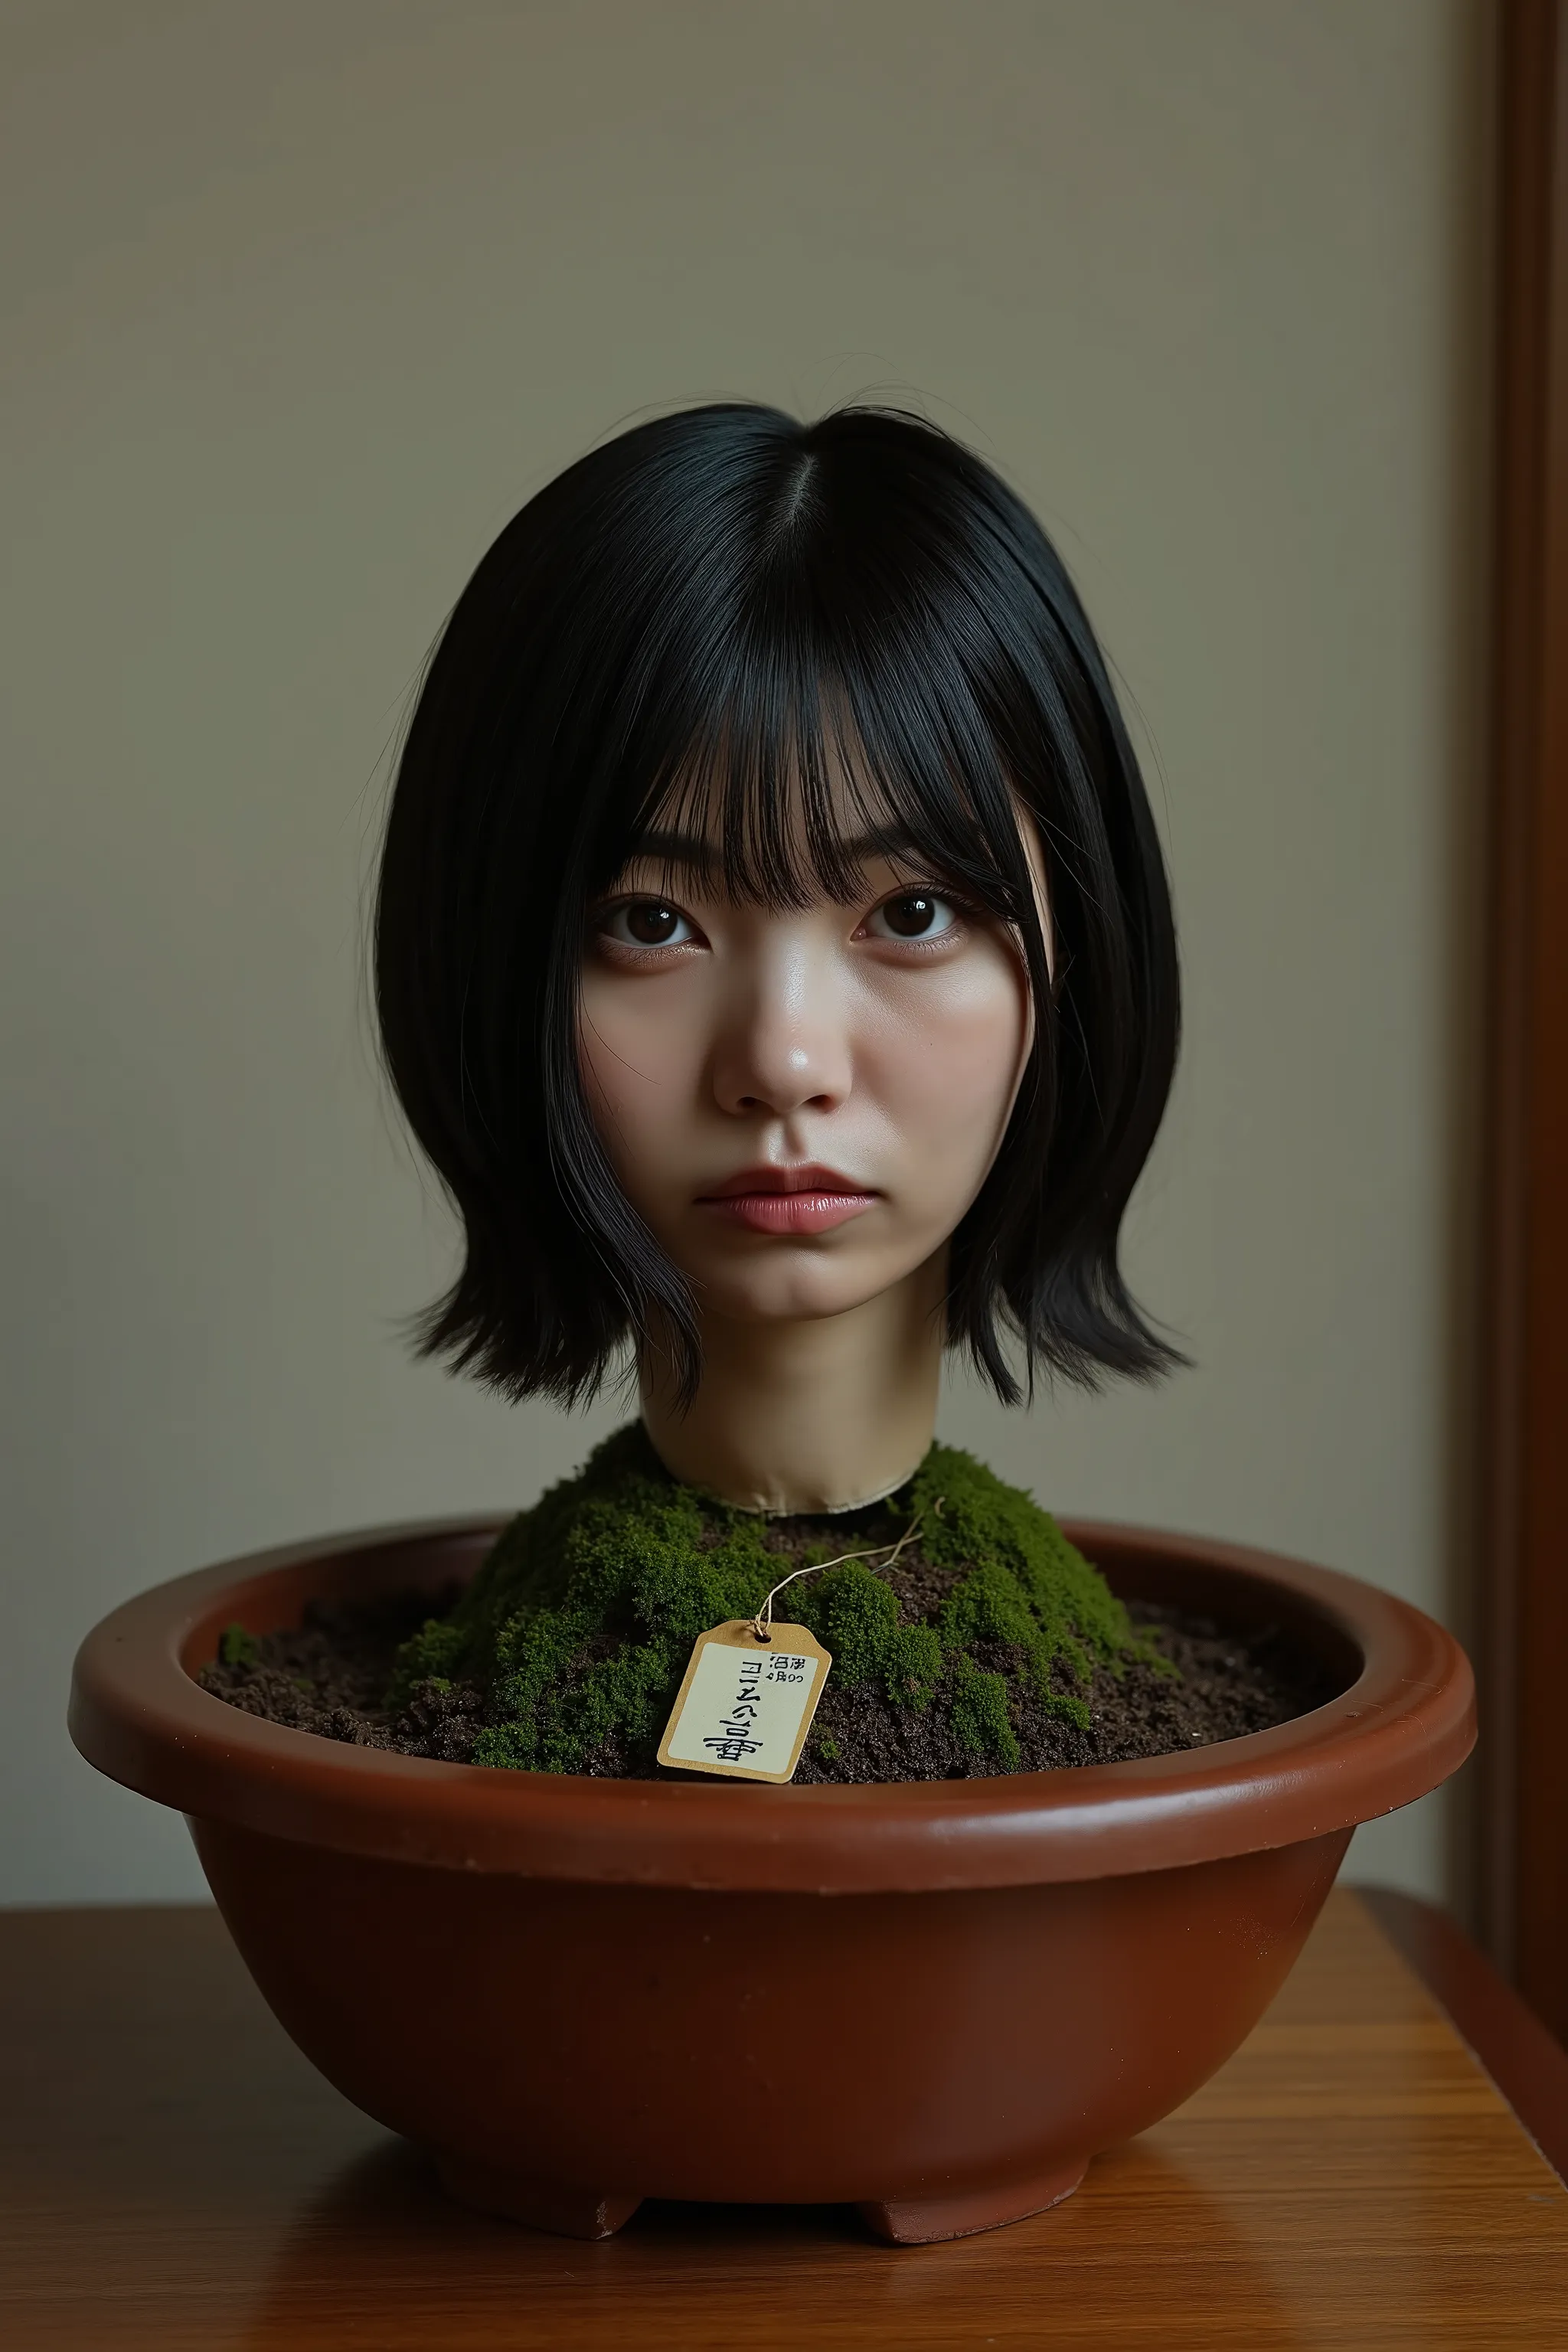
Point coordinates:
[[702, 856]]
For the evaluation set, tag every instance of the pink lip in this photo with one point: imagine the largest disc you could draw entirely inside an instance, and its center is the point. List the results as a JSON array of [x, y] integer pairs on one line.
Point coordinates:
[[807, 1200]]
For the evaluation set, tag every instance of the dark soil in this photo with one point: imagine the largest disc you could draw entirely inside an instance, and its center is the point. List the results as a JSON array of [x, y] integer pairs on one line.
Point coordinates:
[[1228, 1685], [329, 1675]]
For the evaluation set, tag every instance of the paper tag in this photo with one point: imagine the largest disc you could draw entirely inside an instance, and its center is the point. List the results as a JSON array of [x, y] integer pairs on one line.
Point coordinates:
[[745, 1705]]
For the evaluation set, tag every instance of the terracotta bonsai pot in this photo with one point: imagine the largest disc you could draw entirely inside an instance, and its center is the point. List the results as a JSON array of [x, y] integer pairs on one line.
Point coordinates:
[[934, 2001]]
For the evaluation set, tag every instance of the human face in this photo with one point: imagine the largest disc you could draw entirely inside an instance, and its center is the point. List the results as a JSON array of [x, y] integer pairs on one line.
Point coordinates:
[[800, 1105]]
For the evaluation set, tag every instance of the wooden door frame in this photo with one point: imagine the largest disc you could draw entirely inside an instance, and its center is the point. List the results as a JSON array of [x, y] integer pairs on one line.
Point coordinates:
[[1522, 1822]]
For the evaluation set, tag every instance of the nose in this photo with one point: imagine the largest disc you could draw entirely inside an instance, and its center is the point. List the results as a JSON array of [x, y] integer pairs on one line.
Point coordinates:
[[784, 1041]]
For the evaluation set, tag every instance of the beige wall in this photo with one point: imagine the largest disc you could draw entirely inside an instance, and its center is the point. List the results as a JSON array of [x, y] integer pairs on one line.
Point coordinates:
[[301, 299]]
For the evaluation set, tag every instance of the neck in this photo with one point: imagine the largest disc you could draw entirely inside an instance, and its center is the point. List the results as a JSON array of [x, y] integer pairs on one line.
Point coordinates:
[[809, 1416]]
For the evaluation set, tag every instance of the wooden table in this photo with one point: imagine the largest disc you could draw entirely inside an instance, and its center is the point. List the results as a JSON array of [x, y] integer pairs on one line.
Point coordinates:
[[173, 2175]]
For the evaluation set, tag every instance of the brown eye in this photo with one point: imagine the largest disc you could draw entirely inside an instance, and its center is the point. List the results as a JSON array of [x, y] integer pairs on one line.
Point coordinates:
[[647, 923], [913, 914]]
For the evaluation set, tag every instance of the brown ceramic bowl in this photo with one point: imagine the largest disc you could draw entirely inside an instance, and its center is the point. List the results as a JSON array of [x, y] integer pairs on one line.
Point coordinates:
[[935, 2000]]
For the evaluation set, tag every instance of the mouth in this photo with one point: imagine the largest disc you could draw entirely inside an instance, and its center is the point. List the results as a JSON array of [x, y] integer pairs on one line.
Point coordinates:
[[810, 1199]]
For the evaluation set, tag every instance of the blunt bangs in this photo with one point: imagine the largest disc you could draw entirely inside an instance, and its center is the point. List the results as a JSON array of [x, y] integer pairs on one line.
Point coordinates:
[[780, 641]]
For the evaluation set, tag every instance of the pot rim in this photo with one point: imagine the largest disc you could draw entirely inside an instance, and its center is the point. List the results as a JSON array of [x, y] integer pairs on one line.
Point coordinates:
[[1402, 1725]]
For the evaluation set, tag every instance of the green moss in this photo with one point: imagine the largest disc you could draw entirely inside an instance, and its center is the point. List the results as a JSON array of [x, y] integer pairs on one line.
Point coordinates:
[[442, 1645], [579, 1626], [980, 1714]]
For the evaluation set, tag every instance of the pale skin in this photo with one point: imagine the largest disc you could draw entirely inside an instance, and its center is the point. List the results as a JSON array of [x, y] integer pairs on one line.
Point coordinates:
[[802, 1105]]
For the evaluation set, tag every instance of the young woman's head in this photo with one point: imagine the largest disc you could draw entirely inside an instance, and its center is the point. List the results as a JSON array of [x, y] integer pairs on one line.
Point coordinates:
[[769, 909]]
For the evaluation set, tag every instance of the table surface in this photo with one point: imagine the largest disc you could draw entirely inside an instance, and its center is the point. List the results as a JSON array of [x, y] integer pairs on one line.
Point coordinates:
[[173, 2175]]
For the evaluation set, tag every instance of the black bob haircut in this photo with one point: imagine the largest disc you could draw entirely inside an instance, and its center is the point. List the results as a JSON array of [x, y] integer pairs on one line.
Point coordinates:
[[705, 620]]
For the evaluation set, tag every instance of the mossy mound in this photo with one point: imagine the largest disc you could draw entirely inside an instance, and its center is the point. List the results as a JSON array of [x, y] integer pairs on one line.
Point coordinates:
[[578, 1627]]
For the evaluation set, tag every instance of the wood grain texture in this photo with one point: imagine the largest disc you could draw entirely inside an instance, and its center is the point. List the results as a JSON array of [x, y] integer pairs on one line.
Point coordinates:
[[1528, 2064], [1523, 1820], [173, 2175]]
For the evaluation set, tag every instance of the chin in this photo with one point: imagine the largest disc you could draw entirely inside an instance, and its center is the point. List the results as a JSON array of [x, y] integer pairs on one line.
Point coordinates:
[[791, 1294]]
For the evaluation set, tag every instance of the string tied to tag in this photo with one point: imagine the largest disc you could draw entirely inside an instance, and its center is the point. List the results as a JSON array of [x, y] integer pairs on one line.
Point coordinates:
[[762, 1623]]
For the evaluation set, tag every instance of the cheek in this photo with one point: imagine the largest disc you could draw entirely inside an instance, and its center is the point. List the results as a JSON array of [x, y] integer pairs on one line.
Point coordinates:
[[947, 1063], [636, 1055]]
